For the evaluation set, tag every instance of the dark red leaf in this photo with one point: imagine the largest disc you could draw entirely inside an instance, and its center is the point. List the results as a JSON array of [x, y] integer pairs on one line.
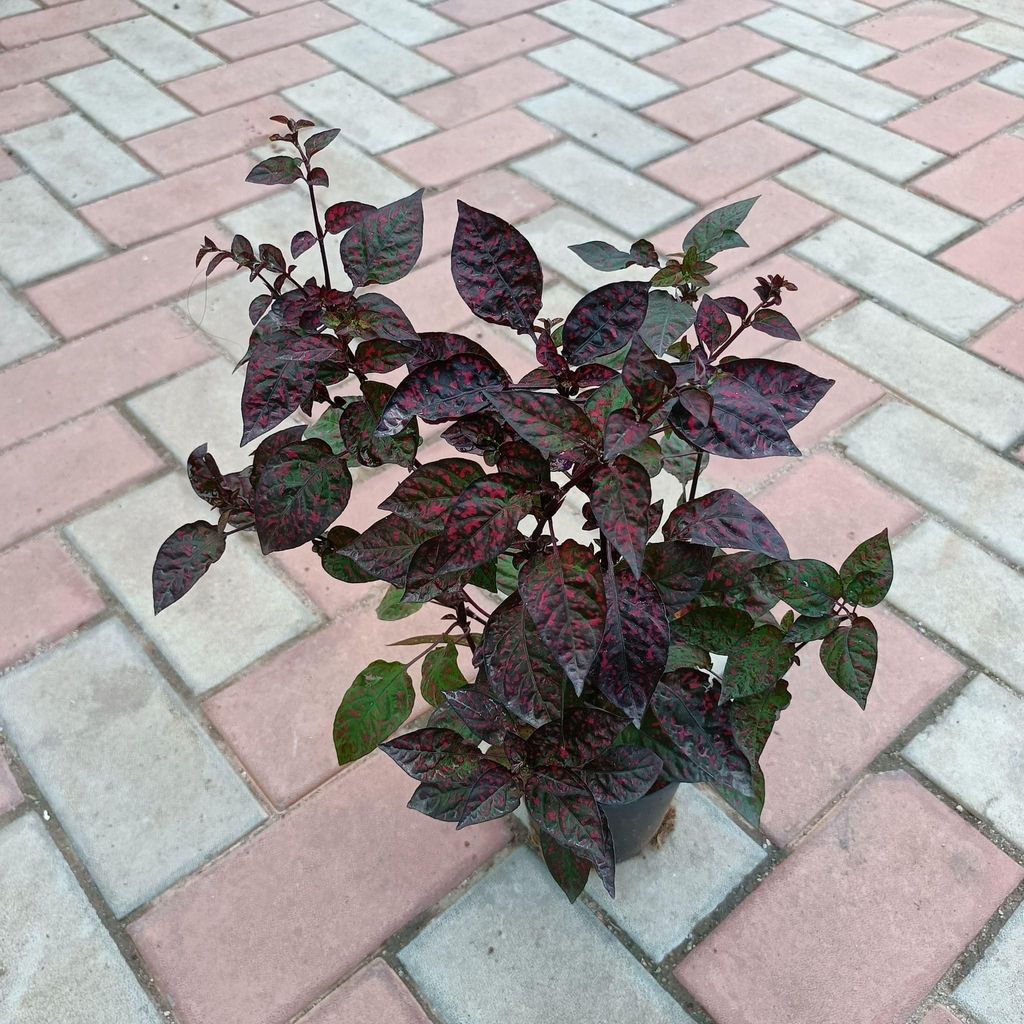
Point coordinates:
[[442, 802], [425, 496], [343, 215], [376, 316], [678, 570], [850, 655], [623, 774], [520, 671], [435, 345], [320, 140], [622, 433], [712, 325], [791, 390], [620, 497], [593, 375], [725, 519], [481, 434], [182, 559], [481, 714], [689, 713], [772, 322], [302, 241], [438, 756], [378, 355], [552, 424], [383, 245], [447, 389], [604, 320], [867, 573], [647, 378], [385, 549], [563, 594], [258, 307], [492, 795], [567, 869], [634, 649], [732, 305], [276, 170], [495, 270]]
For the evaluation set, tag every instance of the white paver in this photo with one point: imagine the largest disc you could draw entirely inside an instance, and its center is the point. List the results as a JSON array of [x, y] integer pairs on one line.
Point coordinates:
[[196, 15], [379, 60], [1010, 78], [238, 612], [663, 894], [804, 33], [835, 12], [119, 99], [633, 6], [957, 589], [12, 7], [624, 36], [20, 335], [985, 402], [76, 160], [940, 299], [140, 789], [944, 471], [909, 219], [38, 237], [1004, 10], [994, 990], [60, 965], [973, 752], [157, 50], [401, 20], [847, 90], [365, 117], [862, 143], [513, 951], [611, 76], [995, 35], [620, 135], [631, 203]]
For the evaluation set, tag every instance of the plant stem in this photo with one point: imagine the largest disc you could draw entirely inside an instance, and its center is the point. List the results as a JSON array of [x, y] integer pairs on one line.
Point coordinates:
[[435, 644]]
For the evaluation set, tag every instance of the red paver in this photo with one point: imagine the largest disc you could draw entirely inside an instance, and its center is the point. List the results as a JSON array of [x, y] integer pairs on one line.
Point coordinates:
[[472, 12], [257, 35], [483, 92], [249, 78], [28, 104], [863, 919], [172, 202], [44, 597], [459, 152], [817, 297], [72, 17], [847, 507], [778, 218], [57, 474], [273, 924], [994, 255], [499, 191], [823, 740], [724, 50], [1004, 343], [48, 58], [211, 136], [278, 717], [266, 6], [936, 66], [914, 24], [982, 182], [961, 119], [729, 161], [40, 393], [10, 794], [478, 47], [100, 293], [373, 995], [429, 297], [691, 18], [940, 1015], [711, 108]]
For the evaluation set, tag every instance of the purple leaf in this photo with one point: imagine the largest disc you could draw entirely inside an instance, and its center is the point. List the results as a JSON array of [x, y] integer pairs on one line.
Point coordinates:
[[492, 795], [622, 433], [552, 424], [623, 774], [425, 496], [867, 573], [604, 320], [791, 390], [320, 140], [302, 241], [712, 325], [771, 321], [666, 321], [620, 497], [850, 655], [495, 270], [384, 245], [725, 519], [481, 714], [678, 570], [343, 215], [386, 548], [182, 559], [276, 170]]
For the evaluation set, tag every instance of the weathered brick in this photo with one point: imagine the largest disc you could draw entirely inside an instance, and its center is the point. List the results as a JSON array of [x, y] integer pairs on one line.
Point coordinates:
[[374, 993], [475, 48], [701, 60], [195, 15], [935, 66], [51, 57], [914, 24], [28, 104], [982, 182], [691, 18], [68, 18], [257, 35], [20, 335], [992, 255]]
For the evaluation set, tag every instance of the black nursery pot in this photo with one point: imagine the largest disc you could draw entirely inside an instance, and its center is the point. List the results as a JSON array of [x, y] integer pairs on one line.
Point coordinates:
[[634, 825]]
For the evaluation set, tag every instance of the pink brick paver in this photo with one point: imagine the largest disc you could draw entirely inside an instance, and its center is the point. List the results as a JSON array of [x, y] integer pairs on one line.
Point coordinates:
[[962, 118], [880, 887], [44, 597], [373, 995], [861, 921], [272, 925], [994, 255]]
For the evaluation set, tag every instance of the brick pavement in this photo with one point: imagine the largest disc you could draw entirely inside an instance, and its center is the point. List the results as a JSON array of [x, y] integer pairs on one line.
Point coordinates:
[[168, 795]]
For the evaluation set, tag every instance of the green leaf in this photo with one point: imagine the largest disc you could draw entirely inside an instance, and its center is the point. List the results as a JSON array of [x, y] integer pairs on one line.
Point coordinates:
[[441, 672], [602, 255], [326, 429], [850, 655], [667, 319], [686, 656], [756, 663], [809, 628], [867, 574], [713, 629], [377, 703], [276, 170], [717, 231], [807, 585], [392, 607], [340, 566], [384, 245], [507, 574]]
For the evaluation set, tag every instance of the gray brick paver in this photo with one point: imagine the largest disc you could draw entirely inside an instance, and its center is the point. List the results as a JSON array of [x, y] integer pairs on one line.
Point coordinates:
[[994, 990], [811, 35]]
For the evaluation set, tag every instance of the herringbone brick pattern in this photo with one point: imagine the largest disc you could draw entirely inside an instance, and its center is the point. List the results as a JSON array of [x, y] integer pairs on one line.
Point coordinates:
[[176, 841]]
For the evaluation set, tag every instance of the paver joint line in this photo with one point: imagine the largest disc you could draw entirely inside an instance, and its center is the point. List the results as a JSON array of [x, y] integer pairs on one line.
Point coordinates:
[[886, 138]]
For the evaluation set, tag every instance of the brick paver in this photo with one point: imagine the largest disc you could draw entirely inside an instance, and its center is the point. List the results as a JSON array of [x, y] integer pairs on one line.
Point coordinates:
[[885, 138]]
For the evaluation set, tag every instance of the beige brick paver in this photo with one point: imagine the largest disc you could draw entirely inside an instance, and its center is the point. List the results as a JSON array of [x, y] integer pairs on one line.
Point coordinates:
[[886, 140]]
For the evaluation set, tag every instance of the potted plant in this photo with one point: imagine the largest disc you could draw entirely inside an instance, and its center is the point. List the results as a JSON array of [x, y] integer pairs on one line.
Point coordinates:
[[608, 669]]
